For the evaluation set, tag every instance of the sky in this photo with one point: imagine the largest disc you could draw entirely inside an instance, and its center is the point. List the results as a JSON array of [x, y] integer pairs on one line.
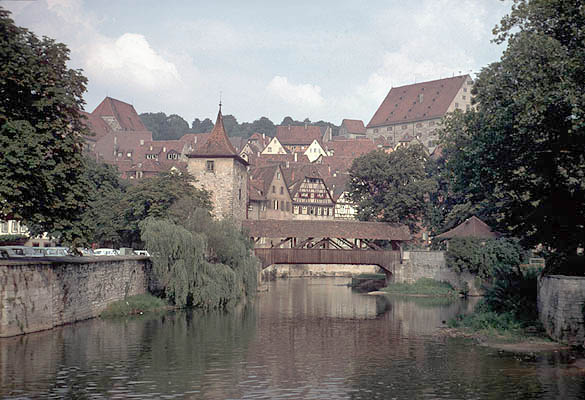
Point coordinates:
[[319, 59]]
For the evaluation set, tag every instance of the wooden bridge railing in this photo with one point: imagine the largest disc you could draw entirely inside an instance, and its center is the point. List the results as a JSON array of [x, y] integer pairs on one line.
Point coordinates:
[[384, 258]]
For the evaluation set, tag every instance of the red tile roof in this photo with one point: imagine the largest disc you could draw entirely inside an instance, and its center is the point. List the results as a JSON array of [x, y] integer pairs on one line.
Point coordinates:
[[403, 104], [351, 147], [471, 227], [355, 126], [124, 113], [301, 135], [217, 144]]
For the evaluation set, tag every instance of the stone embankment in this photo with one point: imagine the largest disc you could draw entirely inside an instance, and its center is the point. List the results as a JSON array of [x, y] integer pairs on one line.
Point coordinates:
[[561, 308], [41, 293]]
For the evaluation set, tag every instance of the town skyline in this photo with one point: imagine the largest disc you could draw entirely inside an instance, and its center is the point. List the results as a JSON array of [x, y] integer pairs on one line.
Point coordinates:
[[318, 61]]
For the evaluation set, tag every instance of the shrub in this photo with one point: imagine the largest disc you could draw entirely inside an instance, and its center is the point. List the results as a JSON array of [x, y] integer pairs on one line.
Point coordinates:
[[483, 256]]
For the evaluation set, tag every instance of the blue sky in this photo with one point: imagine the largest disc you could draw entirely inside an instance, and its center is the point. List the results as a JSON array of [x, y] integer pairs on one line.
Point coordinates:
[[319, 59]]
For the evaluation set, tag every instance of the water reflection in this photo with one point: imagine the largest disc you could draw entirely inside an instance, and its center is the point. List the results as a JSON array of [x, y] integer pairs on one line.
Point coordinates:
[[305, 338]]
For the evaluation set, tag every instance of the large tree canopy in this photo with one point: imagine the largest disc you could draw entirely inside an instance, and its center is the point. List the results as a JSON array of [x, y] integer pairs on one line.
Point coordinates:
[[523, 150], [391, 187], [41, 128]]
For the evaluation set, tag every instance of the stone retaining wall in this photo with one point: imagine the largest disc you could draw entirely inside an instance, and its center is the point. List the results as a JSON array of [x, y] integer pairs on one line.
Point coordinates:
[[561, 308], [38, 294], [432, 264]]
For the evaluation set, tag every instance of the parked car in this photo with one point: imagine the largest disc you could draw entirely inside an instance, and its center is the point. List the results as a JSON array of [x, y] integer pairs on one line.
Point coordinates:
[[106, 252], [55, 251], [85, 252], [141, 253], [21, 251]]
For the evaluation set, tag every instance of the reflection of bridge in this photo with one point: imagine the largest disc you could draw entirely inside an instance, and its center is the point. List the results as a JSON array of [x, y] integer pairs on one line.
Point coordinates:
[[326, 242]]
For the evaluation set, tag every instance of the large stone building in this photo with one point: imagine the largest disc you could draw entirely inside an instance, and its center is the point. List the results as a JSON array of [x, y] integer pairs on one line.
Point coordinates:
[[219, 169], [415, 111]]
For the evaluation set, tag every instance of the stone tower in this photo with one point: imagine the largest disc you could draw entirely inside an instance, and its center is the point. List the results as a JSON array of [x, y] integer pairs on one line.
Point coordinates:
[[219, 169]]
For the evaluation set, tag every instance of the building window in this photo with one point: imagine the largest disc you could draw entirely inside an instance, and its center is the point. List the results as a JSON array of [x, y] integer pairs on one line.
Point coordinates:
[[278, 175], [389, 129], [467, 107], [295, 209], [269, 149], [14, 227], [288, 206], [319, 211], [456, 105], [273, 189], [4, 227], [376, 130], [263, 206], [275, 204], [281, 190], [304, 210], [210, 165], [465, 89], [240, 194]]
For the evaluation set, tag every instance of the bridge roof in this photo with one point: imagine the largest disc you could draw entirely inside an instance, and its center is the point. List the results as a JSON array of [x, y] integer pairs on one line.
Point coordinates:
[[328, 228]]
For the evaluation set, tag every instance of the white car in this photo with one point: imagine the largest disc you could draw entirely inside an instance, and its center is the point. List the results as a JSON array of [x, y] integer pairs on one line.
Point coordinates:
[[141, 253], [21, 251], [55, 251], [105, 252]]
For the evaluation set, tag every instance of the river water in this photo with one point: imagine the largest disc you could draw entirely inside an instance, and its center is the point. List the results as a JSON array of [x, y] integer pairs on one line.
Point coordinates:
[[304, 338]]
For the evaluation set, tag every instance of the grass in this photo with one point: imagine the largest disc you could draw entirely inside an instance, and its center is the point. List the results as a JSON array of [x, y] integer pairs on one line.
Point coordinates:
[[422, 287], [134, 305], [504, 326]]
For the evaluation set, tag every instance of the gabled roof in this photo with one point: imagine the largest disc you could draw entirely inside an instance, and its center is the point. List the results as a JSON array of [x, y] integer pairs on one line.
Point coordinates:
[[351, 147], [325, 228], [425, 100], [471, 227], [262, 176], [217, 144], [124, 113], [354, 126], [293, 134]]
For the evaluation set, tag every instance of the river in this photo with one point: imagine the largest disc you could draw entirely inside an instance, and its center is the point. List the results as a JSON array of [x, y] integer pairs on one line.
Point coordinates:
[[304, 338]]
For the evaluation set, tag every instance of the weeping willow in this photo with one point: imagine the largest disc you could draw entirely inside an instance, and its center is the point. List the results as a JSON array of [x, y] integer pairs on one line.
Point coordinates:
[[203, 262]]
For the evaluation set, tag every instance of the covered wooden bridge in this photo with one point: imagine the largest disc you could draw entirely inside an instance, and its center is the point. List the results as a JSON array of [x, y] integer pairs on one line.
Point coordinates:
[[326, 242]]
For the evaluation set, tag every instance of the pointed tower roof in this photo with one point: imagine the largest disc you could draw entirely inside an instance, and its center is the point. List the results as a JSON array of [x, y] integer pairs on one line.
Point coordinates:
[[218, 144]]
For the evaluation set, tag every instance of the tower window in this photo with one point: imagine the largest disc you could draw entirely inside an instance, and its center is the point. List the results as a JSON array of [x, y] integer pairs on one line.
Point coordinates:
[[210, 165]]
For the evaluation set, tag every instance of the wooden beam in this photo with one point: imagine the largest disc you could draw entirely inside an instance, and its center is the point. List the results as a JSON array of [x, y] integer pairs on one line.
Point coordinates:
[[283, 241], [301, 244]]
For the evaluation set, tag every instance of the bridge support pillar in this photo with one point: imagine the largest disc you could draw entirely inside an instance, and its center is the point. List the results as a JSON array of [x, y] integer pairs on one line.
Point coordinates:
[[389, 276]]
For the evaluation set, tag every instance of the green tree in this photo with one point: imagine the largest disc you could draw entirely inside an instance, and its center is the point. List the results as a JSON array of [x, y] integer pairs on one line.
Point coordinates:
[[391, 187], [199, 126], [41, 127], [165, 127], [524, 150], [153, 197], [104, 216]]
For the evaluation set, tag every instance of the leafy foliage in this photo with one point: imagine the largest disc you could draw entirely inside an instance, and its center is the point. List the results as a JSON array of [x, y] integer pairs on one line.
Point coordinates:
[[41, 164], [520, 155], [187, 263], [104, 216], [165, 127], [484, 256], [153, 197], [423, 287], [391, 187]]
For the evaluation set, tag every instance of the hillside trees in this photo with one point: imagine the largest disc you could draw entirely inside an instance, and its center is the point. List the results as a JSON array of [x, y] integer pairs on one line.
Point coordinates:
[[165, 127], [391, 187], [522, 151], [41, 164]]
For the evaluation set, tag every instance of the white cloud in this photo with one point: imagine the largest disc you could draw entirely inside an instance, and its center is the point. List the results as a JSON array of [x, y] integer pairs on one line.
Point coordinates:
[[303, 94], [131, 60]]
